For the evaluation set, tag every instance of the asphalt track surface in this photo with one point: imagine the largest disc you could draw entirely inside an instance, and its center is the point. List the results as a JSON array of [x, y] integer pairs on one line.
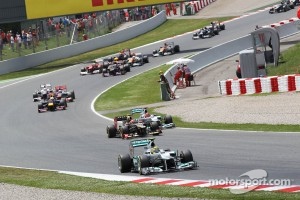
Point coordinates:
[[75, 139]]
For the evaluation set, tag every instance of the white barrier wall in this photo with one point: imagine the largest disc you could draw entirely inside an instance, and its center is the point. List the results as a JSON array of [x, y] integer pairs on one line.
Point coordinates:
[[40, 58]]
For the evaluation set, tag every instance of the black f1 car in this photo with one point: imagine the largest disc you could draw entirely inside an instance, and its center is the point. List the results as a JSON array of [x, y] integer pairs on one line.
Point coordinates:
[[154, 159], [115, 68], [169, 48], [203, 33], [209, 31], [284, 6], [125, 127]]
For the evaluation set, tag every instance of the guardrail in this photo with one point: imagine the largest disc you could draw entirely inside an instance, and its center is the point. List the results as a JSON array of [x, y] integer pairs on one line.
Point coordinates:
[[215, 54], [43, 57]]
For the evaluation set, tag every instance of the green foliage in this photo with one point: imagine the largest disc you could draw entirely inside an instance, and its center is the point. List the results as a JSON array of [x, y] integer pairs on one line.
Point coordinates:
[[289, 62]]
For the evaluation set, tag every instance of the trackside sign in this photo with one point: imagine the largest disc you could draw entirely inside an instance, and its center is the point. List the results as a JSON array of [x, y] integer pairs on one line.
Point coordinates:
[[49, 8]]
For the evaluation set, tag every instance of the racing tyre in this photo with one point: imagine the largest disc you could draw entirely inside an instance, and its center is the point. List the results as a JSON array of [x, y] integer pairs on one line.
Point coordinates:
[[63, 102], [40, 106], [186, 156], [222, 26], [127, 68], [124, 163], [111, 131], [123, 71], [73, 94], [142, 163], [154, 126], [146, 59], [124, 130], [176, 48], [168, 119], [35, 95]]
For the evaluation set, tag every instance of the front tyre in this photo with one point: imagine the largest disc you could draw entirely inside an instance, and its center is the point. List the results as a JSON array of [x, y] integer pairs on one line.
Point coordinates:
[[124, 163]]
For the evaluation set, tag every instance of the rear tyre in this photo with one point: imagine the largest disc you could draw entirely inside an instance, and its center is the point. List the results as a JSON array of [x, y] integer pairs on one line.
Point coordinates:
[[176, 48], [111, 131], [124, 163], [124, 130], [73, 94]]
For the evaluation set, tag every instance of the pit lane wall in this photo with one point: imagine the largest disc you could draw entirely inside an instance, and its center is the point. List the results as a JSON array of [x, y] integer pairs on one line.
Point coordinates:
[[43, 57], [215, 54]]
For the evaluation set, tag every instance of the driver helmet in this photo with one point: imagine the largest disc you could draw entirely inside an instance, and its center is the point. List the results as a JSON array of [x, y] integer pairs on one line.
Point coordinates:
[[116, 59]]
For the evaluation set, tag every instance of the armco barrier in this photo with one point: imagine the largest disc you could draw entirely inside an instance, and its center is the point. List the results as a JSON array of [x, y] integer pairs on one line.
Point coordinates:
[[231, 48], [270, 84], [39, 58]]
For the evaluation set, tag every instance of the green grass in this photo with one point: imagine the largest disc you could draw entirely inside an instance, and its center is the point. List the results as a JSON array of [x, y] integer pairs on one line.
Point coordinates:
[[170, 28], [54, 180]]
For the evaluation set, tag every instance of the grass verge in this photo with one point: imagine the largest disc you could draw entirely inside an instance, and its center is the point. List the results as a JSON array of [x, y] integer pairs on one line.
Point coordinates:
[[54, 180]]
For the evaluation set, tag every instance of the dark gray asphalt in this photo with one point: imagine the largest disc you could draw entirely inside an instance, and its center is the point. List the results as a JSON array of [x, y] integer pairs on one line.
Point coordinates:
[[75, 139]]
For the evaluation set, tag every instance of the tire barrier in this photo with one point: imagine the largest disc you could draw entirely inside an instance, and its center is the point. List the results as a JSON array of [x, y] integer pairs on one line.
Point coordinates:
[[286, 83]]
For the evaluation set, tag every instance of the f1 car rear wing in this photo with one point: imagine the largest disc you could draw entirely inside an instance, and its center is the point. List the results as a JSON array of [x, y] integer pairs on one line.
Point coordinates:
[[140, 143], [138, 110], [61, 87]]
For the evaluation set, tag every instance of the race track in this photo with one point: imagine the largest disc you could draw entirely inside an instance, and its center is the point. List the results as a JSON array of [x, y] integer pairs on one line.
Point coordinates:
[[75, 139]]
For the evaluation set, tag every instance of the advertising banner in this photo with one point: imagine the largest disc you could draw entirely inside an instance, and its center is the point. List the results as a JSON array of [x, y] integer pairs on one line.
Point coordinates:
[[49, 8]]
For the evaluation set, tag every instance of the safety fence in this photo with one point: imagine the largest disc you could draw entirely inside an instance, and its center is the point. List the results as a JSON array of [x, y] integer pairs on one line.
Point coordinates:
[[78, 48], [59, 31], [286, 83]]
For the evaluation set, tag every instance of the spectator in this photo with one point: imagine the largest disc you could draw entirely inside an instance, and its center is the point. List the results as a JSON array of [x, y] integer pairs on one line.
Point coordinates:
[[163, 79], [178, 75], [12, 42], [174, 9], [238, 69], [168, 11], [187, 75], [24, 39]]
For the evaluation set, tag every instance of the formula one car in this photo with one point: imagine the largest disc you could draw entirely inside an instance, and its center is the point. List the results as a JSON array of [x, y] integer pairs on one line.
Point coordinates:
[[52, 104], [42, 93], [216, 27], [284, 6], [169, 48], [203, 33], [146, 118], [125, 127], [61, 92], [137, 60], [295, 2], [154, 159], [116, 68], [95, 68]]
